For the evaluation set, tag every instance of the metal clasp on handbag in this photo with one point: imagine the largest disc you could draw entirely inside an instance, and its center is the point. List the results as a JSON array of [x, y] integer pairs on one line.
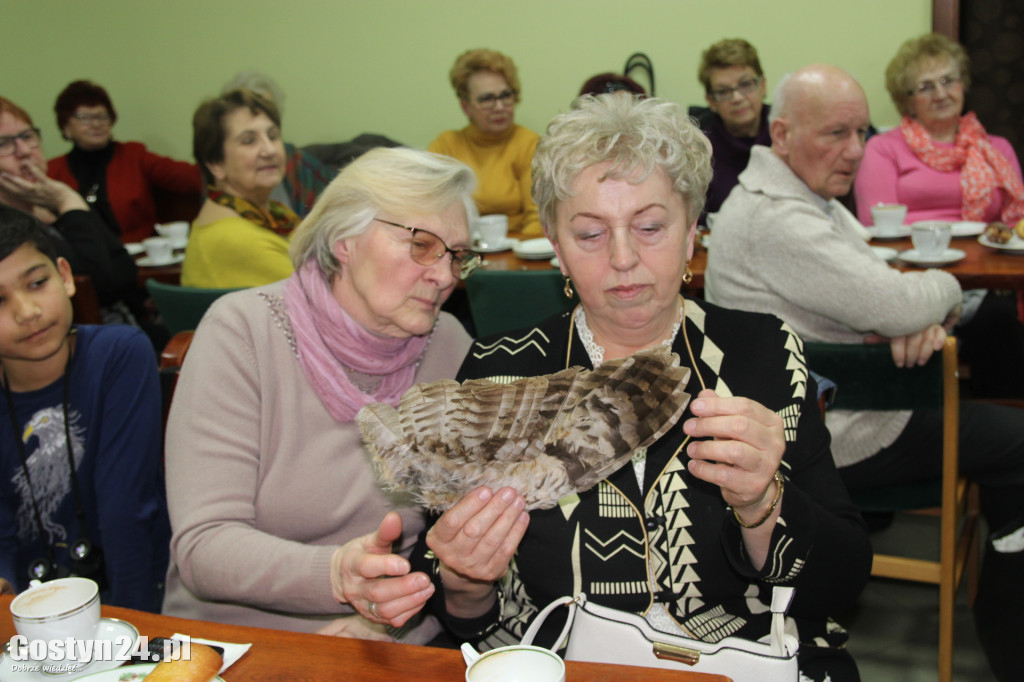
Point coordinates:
[[679, 654]]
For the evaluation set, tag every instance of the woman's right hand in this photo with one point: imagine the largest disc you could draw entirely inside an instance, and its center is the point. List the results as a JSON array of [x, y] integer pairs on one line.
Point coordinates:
[[475, 541]]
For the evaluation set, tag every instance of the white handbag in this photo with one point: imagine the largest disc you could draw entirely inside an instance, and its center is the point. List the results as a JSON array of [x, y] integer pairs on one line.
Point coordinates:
[[603, 635]]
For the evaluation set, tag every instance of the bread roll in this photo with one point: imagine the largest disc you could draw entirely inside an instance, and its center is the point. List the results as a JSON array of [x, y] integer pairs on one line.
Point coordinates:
[[203, 665], [1019, 228]]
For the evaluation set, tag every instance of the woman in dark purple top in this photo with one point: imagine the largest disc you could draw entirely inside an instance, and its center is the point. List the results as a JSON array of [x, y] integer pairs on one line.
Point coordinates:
[[734, 87]]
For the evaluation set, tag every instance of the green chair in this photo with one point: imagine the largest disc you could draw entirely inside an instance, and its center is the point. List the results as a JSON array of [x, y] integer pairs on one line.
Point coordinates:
[[182, 307], [500, 301], [867, 379]]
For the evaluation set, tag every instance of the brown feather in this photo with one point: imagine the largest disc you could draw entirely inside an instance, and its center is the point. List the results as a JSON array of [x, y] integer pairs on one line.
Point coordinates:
[[546, 436]]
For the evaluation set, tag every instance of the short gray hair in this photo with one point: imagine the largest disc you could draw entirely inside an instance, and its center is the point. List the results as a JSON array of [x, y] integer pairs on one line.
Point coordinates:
[[394, 180], [631, 133], [780, 99]]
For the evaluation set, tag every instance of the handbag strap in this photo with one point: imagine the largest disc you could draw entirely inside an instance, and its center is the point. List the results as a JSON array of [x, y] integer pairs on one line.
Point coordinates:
[[781, 598], [571, 602]]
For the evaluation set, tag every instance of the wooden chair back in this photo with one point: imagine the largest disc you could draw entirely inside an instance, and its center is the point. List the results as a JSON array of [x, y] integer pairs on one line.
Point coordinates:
[[867, 379]]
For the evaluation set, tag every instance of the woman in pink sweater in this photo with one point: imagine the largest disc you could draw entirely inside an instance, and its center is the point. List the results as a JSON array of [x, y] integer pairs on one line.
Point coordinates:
[[940, 163]]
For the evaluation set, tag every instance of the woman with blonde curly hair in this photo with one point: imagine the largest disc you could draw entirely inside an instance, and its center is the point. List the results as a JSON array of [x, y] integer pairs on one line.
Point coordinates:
[[696, 530], [939, 161], [499, 151]]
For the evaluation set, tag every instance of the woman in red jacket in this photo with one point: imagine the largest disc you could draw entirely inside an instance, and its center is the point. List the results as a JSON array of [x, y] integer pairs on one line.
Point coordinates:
[[117, 179]]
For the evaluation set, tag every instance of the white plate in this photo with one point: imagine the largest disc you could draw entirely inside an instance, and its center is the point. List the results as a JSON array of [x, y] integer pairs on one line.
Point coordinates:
[[967, 228], [504, 245], [914, 257], [134, 248], [147, 262], [885, 253], [538, 249], [111, 629], [901, 233], [139, 671], [1015, 245]]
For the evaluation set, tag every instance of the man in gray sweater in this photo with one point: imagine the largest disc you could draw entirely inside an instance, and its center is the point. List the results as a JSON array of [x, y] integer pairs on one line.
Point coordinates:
[[782, 244]]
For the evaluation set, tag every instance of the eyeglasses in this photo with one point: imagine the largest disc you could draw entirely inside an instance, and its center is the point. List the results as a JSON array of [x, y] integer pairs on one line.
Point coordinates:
[[426, 248], [746, 87], [102, 119], [928, 88], [506, 97], [30, 137]]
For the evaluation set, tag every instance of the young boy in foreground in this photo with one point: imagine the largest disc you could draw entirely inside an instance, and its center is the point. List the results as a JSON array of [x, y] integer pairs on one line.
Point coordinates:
[[94, 506]]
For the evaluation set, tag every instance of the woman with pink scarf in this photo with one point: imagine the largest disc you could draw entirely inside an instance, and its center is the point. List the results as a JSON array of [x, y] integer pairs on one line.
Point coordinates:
[[278, 521], [939, 162], [944, 166]]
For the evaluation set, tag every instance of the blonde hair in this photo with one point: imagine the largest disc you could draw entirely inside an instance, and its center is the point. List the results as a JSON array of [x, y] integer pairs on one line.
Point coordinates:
[[634, 135], [396, 180], [724, 54], [474, 61], [901, 74]]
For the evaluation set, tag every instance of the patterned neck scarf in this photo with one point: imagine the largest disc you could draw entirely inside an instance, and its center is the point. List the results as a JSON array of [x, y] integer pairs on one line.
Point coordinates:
[[279, 219], [331, 344], [982, 168]]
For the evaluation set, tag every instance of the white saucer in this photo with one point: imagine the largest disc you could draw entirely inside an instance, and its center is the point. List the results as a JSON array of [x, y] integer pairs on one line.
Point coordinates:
[[129, 673], [147, 262], [967, 228], [1015, 245], [885, 253], [534, 249], [554, 262], [902, 232], [117, 632], [504, 245], [134, 248], [914, 257]]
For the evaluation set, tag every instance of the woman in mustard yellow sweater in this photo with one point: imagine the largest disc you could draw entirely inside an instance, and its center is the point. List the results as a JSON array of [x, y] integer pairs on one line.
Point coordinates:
[[498, 150]]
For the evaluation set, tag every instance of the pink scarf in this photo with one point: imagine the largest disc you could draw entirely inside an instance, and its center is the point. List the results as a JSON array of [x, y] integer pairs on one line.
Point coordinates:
[[330, 344], [982, 168]]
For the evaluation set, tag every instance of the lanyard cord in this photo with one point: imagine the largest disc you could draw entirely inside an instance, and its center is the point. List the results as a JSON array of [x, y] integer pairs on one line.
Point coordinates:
[[65, 403]]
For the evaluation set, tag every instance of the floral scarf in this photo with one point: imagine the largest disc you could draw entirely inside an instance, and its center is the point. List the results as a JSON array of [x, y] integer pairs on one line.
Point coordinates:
[[279, 219], [331, 344], [982, 168]]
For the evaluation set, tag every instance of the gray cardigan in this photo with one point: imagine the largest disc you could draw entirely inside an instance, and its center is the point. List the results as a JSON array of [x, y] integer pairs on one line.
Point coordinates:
[[779, 248]]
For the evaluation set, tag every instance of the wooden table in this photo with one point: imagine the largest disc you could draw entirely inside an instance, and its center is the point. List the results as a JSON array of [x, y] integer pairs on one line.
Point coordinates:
[[983, 268], [279, 655]]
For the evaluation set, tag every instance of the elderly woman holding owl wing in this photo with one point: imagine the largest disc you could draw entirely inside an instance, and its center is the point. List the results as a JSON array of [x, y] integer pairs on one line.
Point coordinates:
[[740, 496], [278, 520]]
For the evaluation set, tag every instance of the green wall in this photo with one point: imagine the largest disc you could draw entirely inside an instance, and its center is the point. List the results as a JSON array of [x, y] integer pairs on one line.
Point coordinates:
[[352, 66]]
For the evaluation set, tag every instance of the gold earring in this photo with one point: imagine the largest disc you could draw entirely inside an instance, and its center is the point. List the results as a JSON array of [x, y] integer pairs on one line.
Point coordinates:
[[687, 275], [568, 288]]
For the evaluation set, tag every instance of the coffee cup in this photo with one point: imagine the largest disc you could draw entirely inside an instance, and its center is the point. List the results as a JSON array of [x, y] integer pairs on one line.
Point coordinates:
[[931, 237], [57, 610], [491, 230], [516, 663], [177, 232], [888, 218], [159, 249]]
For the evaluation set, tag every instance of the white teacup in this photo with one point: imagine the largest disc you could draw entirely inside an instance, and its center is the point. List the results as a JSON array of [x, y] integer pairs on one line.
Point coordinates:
[[491, 230], [177, 232], [888, 218], [516, 663], [159, 249], [931, 237], [57, 610]]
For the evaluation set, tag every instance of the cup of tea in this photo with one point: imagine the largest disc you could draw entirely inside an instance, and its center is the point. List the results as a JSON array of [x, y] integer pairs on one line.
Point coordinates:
[[888, 218], [177, 232], [516, 663], [159, 249], [58, 609], [931, 237], [491, 230]]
